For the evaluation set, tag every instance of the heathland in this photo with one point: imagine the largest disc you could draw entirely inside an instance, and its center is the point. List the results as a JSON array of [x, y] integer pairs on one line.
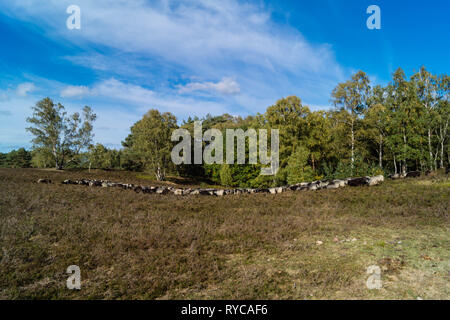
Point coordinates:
[[294, 245]]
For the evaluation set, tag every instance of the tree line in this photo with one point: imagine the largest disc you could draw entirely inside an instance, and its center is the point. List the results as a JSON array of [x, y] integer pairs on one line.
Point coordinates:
[[371, 130]]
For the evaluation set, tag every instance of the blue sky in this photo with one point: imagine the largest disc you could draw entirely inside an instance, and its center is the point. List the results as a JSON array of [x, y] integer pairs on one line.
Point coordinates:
[[198, 57]]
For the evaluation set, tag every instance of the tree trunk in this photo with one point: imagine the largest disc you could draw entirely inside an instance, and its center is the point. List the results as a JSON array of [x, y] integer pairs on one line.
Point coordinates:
[[380, 153], [160, 174], [442, 136], [430, 150], [448, 154], [353, 147], [442, 154], [395, 165], [436, 156], [55, 155], [405, 146]]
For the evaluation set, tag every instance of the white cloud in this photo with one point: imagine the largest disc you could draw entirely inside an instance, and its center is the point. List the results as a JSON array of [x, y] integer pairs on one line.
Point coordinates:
[[238, 59], [116, 89], [24, 88], [194, 38], [74, 91], [225, 86], [138, 99]]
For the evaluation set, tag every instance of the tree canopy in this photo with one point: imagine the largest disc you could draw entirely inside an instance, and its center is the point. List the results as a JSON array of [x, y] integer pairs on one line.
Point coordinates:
[[57, 133], [371, 129]]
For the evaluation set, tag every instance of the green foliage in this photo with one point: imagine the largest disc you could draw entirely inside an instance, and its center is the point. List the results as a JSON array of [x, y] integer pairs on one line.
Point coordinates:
[[42, 158], [343, 170], [290, 117], [372, 131], [61, 135], [263, 182], [19, 158], [360, 169], [353, 96], [129, 161], [399, 127], [225, 176], [150, 141], [298, 169], [3, 163], [101, 157]]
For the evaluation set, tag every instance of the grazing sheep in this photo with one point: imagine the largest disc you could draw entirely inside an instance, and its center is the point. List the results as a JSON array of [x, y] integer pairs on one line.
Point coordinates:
[[373, 181], [204, 192], [178, 192], [162, 190], [94, 183], [333, 186], [322, 184], [280, 189], [315, 185], [44, 181], [340, 183], [413, 174], [355, 182], [220, 193]]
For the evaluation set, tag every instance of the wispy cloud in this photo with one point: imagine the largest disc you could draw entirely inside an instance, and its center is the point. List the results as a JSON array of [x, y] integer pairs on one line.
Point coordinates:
[[186, 32], [225, 86], [203, 39], [24, 88], [141, 98], [74, 92], [236, 57]]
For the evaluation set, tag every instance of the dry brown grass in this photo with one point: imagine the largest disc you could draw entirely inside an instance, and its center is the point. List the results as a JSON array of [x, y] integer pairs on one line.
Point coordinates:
[[141, 246]]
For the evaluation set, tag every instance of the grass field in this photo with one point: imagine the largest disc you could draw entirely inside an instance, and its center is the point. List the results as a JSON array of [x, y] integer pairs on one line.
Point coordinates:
[[251, 246]]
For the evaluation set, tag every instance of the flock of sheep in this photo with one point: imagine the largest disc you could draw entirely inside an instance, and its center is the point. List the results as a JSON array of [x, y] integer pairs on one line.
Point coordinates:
[[304, 186], [315, 185]]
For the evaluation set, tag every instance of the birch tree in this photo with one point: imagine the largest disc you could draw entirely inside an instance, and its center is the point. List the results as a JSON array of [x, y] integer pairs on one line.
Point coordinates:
[[352, 95], [59, 134]]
